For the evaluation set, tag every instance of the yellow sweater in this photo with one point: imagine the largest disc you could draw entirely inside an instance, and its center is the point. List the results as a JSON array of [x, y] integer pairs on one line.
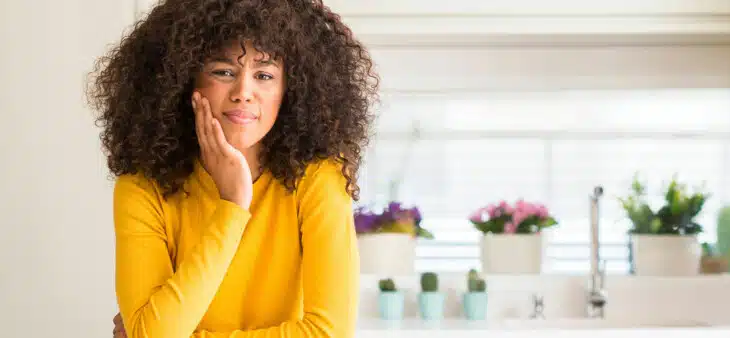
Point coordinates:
[[199, 266]]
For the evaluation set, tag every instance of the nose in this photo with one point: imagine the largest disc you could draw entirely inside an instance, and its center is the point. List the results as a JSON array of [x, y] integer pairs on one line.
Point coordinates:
[[242, 91]]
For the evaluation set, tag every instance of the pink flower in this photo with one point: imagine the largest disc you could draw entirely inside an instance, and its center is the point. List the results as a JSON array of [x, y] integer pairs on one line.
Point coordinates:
[[477, 216], [519, 216], [542, 212], [521, 205], [492, 211], [510, 228], [509, 209]]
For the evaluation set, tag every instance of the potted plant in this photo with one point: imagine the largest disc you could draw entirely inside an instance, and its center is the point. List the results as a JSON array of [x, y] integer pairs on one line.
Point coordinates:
[[430, 299], [475, 298], [512, 231], [664, 243], [390, 300], [712, 261], [387, 234], [722, 232]]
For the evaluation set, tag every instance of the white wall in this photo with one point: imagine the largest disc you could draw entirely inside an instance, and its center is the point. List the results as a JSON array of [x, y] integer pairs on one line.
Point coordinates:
[[547, 67], [56, 235]]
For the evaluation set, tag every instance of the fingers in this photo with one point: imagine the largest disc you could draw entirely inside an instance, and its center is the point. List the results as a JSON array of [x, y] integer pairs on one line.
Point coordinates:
[[118, 331], [210, 130], [220, 139]]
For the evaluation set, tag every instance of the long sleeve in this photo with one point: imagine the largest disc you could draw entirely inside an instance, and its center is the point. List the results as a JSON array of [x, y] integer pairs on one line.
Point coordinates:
[[330, 263], [155, 301]]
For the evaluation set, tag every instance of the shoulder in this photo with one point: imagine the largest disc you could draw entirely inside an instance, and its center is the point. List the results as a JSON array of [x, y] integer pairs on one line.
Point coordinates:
[[326, 170], [137, 204], [324, 176], [134, 184], [135, 191]]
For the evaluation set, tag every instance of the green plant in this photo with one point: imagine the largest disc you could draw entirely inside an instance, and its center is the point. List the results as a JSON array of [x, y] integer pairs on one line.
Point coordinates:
[[429, 282], [709, 250], [675, 217], [637, 208], [475, 283], [387, 285]]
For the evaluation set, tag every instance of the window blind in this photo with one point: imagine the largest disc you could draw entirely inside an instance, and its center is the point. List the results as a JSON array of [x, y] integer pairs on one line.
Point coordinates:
[[551, 147]]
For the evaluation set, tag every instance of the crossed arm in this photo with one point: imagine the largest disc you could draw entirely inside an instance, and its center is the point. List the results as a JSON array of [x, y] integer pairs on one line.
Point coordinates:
[[161, 303]]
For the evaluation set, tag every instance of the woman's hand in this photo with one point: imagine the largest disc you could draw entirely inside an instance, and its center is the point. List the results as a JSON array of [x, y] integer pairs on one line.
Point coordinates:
[[227, 166], [119, 327]]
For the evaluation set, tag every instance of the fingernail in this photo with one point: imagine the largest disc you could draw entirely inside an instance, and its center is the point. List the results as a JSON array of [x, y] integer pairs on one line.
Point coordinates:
[[193, 102]]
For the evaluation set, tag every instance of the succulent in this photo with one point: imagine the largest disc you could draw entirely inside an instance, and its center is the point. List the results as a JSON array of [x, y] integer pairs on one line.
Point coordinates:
[[675, 217], [475, 283], [387, 285], [429, 282]]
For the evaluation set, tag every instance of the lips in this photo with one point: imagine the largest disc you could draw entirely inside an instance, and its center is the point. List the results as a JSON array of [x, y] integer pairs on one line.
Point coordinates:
[[240, 116]]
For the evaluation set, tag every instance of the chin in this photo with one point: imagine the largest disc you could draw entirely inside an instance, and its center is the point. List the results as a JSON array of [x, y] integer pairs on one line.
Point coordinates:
[[241, 142]]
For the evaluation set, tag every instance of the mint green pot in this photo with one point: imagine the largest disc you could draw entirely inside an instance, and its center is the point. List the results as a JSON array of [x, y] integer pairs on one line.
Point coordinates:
[[475, 305], [431, 305], [391, 305]]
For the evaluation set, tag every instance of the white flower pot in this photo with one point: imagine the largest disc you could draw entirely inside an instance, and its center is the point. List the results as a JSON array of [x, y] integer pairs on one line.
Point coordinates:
[[666, 255], [387, 254], [512, 253]]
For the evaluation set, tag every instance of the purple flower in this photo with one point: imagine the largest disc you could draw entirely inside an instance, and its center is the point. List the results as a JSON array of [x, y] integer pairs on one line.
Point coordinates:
[[416, 214], [394, 213], [365, 220]]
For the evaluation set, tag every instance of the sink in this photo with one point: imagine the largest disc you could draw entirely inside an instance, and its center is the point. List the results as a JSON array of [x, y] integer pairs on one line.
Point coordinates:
[[590, 323]]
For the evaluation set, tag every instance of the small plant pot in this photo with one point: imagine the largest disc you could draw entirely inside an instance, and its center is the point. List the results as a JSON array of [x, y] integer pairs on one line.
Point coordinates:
[[475, 305], [391, 305], [431, 305], [377, 252], [713, 265], [525, 252], [666, 255]]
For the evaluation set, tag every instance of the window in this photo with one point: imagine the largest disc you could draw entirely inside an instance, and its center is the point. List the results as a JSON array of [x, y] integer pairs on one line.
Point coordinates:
[[552, 147]]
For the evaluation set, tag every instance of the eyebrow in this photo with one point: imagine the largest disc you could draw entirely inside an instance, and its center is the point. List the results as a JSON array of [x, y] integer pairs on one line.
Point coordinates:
[[231, 62]]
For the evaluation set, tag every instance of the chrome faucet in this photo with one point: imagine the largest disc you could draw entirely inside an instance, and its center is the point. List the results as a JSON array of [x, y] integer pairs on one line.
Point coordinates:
[[537, 307], [596, 296]]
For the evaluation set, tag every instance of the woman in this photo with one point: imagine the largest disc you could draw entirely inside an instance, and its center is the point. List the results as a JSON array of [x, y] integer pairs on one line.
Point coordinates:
[[235, 129]]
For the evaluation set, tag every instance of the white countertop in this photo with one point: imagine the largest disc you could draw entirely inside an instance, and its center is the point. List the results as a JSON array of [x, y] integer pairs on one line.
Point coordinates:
[[461, 328]]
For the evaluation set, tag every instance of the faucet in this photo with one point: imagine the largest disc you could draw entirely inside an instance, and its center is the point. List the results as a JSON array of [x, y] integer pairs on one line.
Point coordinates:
[[596, 295], [537, 307]]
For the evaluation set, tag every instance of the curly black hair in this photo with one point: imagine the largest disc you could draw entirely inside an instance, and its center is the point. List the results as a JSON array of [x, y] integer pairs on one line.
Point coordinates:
[[142, 88]]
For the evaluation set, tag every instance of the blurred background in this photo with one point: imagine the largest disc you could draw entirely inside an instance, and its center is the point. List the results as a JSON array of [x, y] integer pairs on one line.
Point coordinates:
[[482, 101]]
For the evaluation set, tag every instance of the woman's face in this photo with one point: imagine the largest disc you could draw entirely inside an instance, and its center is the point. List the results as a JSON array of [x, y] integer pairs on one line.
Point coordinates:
[[245, 90]]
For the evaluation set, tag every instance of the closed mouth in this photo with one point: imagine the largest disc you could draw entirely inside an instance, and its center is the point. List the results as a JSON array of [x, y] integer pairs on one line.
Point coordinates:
[[240, 116]]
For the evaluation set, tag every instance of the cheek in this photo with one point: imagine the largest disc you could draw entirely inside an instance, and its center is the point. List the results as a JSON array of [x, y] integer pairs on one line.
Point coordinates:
[[272, 106], [215, 93]]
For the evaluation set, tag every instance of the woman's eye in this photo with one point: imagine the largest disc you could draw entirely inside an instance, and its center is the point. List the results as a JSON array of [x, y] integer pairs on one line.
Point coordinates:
[[223, 73], [264, 76]]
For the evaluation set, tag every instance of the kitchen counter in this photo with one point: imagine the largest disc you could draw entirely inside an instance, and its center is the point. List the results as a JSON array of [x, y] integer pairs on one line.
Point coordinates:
[[459, 328]]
